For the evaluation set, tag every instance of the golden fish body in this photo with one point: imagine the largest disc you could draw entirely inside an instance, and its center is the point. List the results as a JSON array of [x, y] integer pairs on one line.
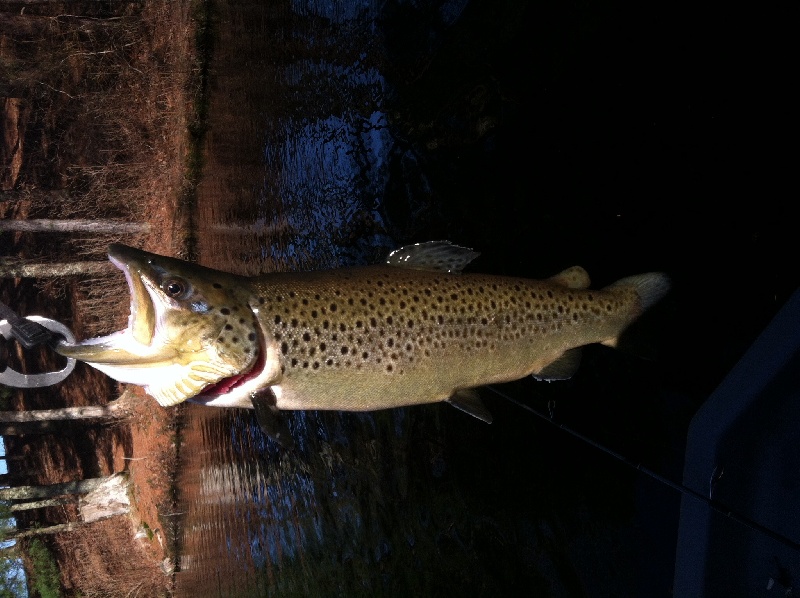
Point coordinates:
[[382, 336], [413, 330]]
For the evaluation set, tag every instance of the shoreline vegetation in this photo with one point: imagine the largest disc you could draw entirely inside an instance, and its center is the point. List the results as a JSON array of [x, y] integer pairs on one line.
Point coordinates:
[[104, 109]]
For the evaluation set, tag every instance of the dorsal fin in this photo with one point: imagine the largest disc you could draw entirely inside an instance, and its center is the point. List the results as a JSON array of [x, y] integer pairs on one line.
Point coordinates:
[[440, 256], [572, 278]]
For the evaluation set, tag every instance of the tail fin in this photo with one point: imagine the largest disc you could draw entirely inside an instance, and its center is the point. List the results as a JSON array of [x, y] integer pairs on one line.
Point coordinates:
[[650, 287]]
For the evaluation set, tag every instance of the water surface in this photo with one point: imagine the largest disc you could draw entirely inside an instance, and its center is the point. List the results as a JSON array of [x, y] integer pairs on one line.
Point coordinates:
[[543, 135]]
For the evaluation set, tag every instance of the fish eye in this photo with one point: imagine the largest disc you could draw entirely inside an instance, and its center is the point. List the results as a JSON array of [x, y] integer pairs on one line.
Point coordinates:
[[177, 288]]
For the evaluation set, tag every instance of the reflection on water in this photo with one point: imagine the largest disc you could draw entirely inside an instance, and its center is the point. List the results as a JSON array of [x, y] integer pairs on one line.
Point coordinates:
[[304, 169]]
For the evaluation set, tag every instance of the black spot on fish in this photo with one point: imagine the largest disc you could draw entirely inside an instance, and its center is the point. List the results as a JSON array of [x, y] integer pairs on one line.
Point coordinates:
[[306, 336], [322, 346], [225, 311], [228, 327]]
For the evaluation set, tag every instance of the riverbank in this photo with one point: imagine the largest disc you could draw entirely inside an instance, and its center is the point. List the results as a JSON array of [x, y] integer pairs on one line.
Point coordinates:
[[102, 120]]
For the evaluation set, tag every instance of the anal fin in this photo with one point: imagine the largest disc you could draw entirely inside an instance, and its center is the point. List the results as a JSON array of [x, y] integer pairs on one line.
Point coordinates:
[[562, 368], [271, 420], [468, 401]]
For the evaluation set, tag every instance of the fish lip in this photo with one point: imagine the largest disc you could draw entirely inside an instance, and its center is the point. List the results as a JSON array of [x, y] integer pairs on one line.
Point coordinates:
[[141, 321], [142, 318]]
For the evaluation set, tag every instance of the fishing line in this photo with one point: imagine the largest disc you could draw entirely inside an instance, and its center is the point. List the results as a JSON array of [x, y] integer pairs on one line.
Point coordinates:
[[685, 490]]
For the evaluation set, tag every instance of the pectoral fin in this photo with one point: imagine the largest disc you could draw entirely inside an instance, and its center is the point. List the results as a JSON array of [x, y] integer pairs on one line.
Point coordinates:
[[468, 401], [271, 420], [562, 368]]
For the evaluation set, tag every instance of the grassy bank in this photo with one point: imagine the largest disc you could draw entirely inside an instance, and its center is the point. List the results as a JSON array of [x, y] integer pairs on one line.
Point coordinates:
[[105, 107]]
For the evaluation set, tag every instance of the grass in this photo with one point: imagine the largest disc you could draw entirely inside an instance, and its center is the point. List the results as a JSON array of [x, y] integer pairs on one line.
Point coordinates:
[[46, 579]]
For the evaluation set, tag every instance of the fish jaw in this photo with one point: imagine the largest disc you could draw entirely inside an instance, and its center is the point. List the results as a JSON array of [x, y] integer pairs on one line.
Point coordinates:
[[191, 330], [239, 391]]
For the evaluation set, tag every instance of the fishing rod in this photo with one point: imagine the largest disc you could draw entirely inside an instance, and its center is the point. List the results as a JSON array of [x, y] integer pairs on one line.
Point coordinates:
[[685, 490]]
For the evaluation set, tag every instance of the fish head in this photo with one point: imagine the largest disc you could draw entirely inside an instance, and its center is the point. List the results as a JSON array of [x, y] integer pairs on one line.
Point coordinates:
[[192, 330]]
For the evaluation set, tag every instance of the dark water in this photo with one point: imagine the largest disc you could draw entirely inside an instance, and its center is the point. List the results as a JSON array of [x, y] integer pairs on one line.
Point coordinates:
[[614, 136]]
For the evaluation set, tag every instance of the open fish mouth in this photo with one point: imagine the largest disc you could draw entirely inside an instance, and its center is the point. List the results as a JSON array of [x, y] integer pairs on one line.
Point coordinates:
[[186, 334], [130, 345]]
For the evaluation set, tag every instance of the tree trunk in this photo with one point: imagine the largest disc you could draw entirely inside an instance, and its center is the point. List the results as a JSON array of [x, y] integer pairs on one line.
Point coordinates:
[[73, 225], [44, 421], [40, 504], [51, 490], [18, 269], [38, 531], [104, 498], [107, 500]]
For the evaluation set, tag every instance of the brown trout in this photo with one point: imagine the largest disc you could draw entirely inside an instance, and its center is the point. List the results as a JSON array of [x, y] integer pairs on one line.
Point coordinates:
[[410, 331]]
